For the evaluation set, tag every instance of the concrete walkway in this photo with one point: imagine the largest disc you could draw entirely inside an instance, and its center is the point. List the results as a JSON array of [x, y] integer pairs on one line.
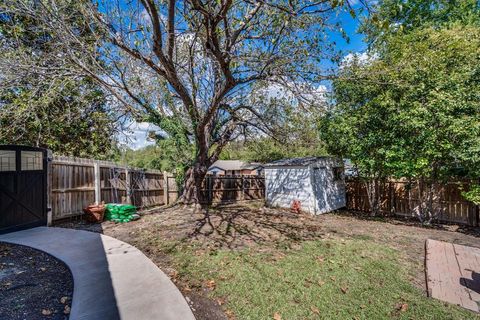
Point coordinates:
[[112, 279]]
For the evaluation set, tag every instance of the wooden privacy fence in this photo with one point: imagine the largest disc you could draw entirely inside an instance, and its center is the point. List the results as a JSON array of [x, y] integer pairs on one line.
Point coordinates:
[[394, 198], [216, 189], [76, 182]]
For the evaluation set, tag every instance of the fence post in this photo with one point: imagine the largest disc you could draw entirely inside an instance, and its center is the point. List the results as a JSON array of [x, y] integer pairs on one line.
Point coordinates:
[[97, 182], [477, 215], [243, 188], [49, 187], [477, 210], [165, 188], [127, 185], [209, 185], [392, 197]]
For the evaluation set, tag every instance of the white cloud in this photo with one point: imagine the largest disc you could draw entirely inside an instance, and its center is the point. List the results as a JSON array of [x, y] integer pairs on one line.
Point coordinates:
[[135, 135], [361, 58], [293, 91]]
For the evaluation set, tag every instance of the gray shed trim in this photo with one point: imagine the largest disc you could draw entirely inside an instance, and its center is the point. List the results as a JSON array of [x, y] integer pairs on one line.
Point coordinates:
[[304, 162]]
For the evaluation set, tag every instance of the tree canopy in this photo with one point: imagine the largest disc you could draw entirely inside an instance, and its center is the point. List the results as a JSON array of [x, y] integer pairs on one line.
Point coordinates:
[[193, 67], [414, 112], [412, 108], [69, 115]]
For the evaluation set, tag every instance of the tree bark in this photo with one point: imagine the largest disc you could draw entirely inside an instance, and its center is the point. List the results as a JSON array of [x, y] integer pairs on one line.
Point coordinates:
[[192, 186]]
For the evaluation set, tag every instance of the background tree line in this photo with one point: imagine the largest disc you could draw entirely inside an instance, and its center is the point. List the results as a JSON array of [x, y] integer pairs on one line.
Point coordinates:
[[408, 107], [411, 108], [69, 115]]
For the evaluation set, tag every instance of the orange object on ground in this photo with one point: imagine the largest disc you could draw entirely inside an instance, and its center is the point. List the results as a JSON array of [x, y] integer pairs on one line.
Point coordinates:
[[296, 206], [95, 212]]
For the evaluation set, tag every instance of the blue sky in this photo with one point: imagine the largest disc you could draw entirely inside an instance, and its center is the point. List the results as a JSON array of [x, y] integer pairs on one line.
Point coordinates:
[[356, 40], [137, 137]]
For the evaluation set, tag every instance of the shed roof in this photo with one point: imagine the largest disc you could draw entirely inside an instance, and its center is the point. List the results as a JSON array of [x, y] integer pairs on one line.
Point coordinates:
[[234, 165], [297, 162]]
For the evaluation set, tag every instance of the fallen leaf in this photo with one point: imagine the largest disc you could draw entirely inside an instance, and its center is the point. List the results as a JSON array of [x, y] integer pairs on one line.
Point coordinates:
[[230, 315], [277, 316], [320, 259], [66, 310], [173, 274], [333, 278], [308, 283], [220, 301], [344, 289], [46, 312], [315, 310], [211, 284], [321, 283], [402, 307]]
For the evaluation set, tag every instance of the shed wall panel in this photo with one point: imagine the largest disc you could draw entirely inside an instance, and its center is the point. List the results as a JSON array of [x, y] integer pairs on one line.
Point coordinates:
[[329, 193], [284, 185]]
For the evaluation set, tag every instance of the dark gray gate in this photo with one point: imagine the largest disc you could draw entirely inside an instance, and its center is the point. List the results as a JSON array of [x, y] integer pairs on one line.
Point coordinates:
[[23, 187]]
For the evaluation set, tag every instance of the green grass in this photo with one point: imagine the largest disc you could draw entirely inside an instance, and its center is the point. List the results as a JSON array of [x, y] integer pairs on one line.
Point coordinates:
[[327, 279]]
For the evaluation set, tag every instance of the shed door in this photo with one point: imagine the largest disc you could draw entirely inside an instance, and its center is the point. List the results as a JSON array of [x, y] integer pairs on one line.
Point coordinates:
[[320, 186], [23, 187]]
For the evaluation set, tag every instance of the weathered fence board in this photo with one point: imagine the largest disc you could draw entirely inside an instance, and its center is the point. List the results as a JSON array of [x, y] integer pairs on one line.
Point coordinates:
[[75, 184], [217, 189], [395, 200]]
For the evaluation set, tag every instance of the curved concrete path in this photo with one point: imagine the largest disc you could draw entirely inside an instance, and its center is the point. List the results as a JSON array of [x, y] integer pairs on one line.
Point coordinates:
[[112, 279]]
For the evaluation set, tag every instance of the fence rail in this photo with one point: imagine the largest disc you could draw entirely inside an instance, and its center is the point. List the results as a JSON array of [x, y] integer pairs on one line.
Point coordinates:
[[216, 189], [77, 182], [395, 199]]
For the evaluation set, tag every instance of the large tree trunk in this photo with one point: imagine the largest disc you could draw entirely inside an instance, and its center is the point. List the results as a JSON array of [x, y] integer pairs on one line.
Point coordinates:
[[195, 175], [192, 186]]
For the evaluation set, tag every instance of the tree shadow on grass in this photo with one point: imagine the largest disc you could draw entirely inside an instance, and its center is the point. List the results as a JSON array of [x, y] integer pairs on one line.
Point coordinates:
[[241, 225]]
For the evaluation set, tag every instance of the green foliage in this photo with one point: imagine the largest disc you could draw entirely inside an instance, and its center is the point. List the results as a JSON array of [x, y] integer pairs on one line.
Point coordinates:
[[267, 149], [70, 119], [397, 17], [173, 151], [473, 194], [146, 158], [177, 152], [68, 114], [415, 111], [295, 135]]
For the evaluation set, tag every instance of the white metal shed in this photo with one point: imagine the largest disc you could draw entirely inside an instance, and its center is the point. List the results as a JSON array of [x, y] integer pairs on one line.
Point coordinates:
[[317, 182]]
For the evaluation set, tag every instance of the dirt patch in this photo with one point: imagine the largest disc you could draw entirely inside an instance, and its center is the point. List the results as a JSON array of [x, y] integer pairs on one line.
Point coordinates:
[[33, 284], [224, 226], [249, 224]]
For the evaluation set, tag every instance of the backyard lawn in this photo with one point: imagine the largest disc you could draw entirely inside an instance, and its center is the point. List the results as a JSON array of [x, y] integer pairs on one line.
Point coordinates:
[[248, 262]]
